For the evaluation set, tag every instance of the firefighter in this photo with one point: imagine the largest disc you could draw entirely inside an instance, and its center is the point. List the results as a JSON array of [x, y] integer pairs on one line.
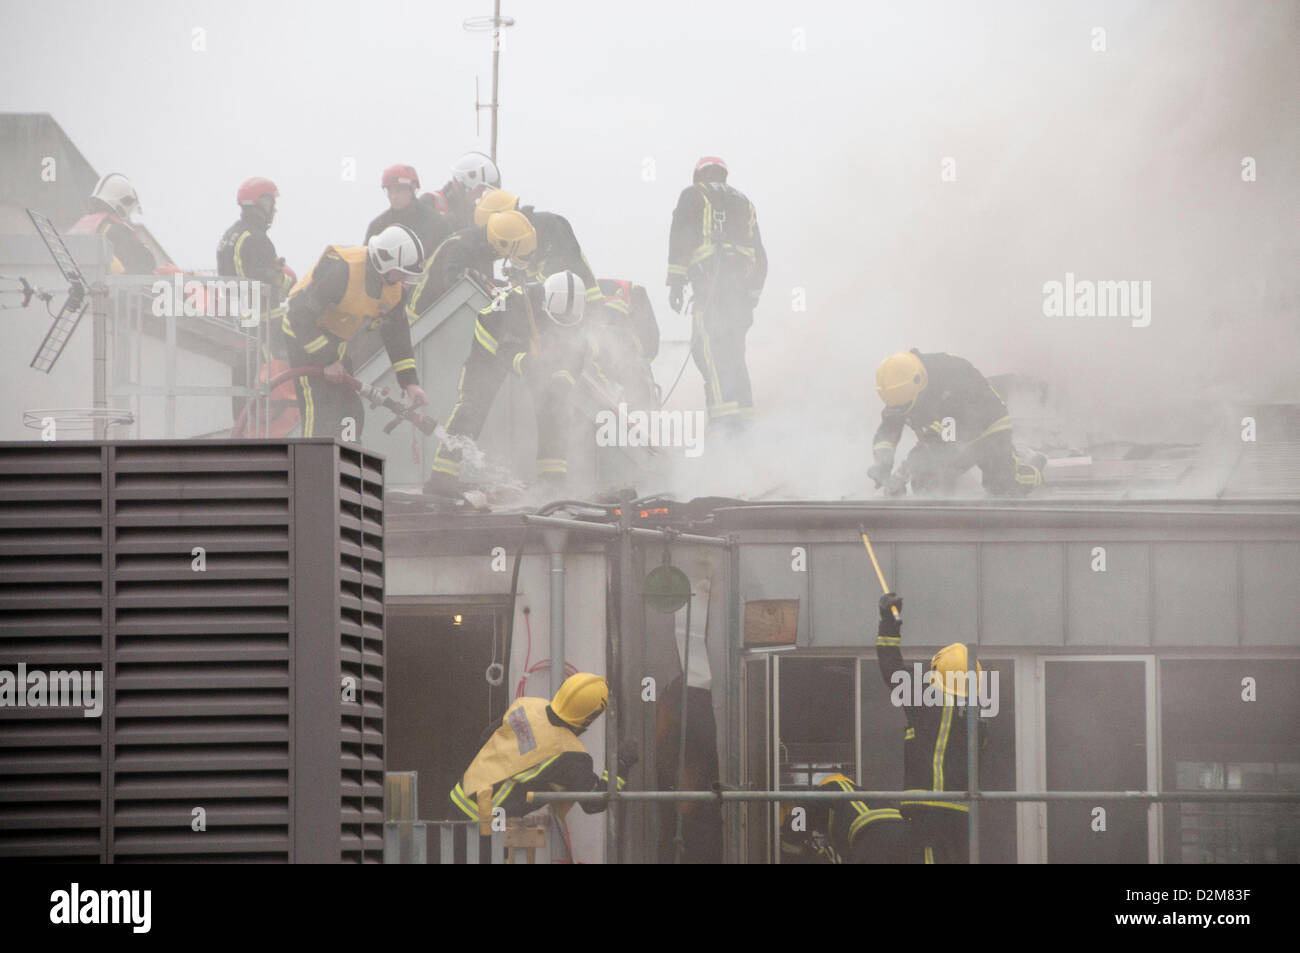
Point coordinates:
[[345, 290], [537, 748], [557, 246], [625, 339], [844, 832], [715, 247], [960, 421], [934, 741], [111, 206], [470, 251], [401, 183], [533, 330], [471, 175], [245, 250]]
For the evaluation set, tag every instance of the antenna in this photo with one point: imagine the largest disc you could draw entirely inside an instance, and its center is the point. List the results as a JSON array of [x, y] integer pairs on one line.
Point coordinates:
[[69, 316], [495, 23]]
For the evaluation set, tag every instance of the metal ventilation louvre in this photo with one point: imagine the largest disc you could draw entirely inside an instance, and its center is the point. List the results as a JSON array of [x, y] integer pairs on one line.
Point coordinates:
[[201, 715], [361, 653], [224, 588], [53, 588]]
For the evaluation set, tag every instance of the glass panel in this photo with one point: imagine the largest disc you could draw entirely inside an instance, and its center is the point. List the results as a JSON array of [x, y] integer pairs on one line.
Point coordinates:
[[1096, 741], [1222, 733]]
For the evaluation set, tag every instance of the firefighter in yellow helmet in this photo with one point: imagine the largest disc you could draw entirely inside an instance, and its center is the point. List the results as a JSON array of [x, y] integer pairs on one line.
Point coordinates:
[[843, 832], [536, 748], [474, 251], [960, 421], [934, 740]]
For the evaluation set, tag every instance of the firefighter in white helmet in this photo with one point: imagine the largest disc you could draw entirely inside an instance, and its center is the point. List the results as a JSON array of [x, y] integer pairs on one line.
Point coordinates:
[[348, 289], [111, 206], [535, 331], [471, 175]]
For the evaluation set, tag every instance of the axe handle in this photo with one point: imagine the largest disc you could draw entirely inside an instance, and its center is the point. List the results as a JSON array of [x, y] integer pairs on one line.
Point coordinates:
[[884, 587]]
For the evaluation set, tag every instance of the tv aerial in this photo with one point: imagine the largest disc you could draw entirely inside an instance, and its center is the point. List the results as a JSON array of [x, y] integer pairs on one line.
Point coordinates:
[[74, 305]]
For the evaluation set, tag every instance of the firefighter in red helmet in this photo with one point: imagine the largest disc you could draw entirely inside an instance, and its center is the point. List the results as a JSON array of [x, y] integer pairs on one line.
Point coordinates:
[[401, 183], [245, 250], [714, 246]]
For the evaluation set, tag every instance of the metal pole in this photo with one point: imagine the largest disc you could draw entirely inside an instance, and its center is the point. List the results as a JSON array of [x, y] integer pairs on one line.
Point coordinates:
[[555, 540], [679, 844], [496, 61], [99, 357], [612, 529], [1262, 797], [972, 752]]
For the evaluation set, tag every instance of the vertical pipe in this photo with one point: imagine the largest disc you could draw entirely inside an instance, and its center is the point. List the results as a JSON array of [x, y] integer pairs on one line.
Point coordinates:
[[170, 371], [496, 60], [679, 844], [555, 541], [972, 753], [613, 666], [731, 824], [99, 376]]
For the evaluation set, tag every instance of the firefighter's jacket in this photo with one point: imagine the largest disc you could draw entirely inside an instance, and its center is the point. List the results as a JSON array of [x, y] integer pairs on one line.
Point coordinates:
[[715, 238], [531, 750], [954, 389], [340, 296]]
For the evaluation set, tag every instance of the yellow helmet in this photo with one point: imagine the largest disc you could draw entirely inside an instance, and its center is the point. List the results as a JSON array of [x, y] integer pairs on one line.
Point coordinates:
[[512, 236], [581, 700], [951, 658], [900, 378], [493, 201]]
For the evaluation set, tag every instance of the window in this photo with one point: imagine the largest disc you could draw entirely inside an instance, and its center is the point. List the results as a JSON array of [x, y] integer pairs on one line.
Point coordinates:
[[1230, 725]]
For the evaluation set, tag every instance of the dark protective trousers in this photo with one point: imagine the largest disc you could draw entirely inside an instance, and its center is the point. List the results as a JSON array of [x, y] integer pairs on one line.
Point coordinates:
[[884, 842], [934, 466], [939, 835], [480, 379], [322, 405], [722, 318]]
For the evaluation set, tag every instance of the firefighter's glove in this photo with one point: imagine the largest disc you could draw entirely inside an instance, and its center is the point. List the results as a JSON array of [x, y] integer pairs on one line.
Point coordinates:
[[890, 627], [416, 397], [896, 485], [676, 298], [629, 753], [879, 474], [336, 373]]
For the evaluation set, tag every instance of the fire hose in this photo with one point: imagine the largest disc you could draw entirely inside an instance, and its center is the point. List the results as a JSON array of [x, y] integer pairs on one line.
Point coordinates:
[[377, 397]]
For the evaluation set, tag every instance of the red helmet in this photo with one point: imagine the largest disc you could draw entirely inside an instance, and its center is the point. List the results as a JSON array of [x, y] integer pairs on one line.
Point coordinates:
[[710, 162], [254, 189], [401, 175]]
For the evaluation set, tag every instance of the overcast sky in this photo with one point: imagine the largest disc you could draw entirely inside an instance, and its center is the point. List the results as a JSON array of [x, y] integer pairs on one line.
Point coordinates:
[[1112, 156]]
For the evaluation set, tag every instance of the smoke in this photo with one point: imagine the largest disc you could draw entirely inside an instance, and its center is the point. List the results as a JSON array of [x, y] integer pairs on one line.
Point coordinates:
[[1128, 163]]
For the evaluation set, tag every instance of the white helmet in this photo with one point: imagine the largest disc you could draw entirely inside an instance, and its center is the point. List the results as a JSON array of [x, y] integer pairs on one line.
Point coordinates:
[[563, 298], [396, 248], [116, 191], [476, 171]]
